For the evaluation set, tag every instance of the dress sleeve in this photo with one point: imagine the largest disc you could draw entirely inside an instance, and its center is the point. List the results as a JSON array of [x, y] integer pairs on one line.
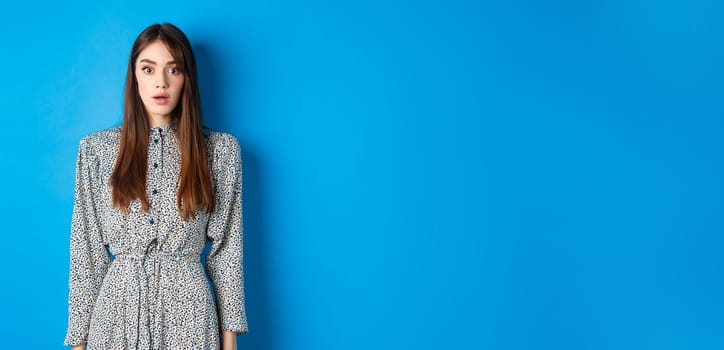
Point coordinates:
[[224, 261], [89, 259]]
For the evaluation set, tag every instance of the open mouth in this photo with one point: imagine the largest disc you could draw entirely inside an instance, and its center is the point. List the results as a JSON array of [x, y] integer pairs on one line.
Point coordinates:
[[161, 99]]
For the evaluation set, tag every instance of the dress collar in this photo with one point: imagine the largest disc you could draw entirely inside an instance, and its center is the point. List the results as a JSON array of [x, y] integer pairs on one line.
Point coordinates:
[[164, 128]]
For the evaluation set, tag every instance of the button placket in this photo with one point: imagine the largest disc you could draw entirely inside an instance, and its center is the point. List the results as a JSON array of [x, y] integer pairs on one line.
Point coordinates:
[[156, 154]]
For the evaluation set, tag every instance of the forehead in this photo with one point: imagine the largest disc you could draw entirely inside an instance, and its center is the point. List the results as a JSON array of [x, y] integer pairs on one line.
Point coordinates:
[[156, 52]]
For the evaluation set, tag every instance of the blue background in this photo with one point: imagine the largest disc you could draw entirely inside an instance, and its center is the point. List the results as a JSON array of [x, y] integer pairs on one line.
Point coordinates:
[[417, 174]]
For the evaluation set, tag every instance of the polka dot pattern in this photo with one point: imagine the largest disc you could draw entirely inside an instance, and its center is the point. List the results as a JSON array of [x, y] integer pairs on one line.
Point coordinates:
[[136, 280]]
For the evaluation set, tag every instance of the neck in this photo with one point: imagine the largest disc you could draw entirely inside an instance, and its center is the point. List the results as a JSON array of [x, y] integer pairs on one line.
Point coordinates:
[[158, 120]]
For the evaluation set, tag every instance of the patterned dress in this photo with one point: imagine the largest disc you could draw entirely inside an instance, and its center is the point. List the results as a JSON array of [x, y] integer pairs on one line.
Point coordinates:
[[136, 281]]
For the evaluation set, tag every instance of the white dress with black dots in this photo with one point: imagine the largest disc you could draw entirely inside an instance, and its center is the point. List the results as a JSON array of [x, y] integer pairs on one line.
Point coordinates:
[[136, 280]]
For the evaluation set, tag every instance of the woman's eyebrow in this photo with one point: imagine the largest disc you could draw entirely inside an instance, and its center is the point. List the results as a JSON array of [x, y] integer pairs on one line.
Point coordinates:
[[154, 63]]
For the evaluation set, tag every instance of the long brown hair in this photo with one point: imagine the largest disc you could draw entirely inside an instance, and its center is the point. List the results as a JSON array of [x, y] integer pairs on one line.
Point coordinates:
[[128, 180]]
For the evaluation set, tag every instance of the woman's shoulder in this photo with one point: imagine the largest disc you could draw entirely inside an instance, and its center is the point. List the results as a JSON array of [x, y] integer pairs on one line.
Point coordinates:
[[220, 140], [101, 139], [101, 136]]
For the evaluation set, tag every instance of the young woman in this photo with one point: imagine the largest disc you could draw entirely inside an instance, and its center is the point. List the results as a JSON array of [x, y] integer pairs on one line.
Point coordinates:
[[148, 196]]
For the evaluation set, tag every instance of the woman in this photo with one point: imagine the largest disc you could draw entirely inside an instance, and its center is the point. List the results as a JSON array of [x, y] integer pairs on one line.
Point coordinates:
[[148, 196]]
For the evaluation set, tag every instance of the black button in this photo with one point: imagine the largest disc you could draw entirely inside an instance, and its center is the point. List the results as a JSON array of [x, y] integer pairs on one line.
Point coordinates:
[[155, 165], [155, 140], [151, 221], [154, 191]]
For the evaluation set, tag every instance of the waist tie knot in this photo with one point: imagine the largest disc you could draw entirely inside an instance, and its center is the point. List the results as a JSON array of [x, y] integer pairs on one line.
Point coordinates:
[[144, 302]]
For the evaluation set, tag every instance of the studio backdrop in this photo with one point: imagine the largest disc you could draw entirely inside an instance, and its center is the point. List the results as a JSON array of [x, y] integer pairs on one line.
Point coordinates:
[[416, 174]]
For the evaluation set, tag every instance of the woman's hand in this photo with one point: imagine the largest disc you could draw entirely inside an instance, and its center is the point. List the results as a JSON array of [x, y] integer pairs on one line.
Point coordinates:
[[79, 347], [228, 340]]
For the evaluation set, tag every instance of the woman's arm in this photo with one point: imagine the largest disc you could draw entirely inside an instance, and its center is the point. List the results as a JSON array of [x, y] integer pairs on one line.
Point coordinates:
[[79, 347], [228, 341], [89, 259], [224, 262]]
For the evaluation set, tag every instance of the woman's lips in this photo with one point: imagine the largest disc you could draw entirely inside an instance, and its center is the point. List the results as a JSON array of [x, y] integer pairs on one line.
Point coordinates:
[[161, 99]]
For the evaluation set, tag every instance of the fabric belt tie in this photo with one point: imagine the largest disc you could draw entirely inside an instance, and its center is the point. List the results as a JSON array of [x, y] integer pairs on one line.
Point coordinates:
[[143, 298]]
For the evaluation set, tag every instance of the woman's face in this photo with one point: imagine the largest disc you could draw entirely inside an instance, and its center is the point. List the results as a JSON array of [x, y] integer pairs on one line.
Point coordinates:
[[159, 82]]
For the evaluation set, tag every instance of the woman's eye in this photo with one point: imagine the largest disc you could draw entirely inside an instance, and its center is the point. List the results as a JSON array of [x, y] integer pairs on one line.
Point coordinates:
[[147, 70], [173, 70]]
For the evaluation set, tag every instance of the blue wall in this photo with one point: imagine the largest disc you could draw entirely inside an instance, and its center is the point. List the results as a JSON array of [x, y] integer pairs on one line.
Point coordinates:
[[417, 174]]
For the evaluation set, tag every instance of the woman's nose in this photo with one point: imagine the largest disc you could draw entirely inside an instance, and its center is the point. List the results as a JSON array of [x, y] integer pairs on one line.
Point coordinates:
[[161, 82]]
